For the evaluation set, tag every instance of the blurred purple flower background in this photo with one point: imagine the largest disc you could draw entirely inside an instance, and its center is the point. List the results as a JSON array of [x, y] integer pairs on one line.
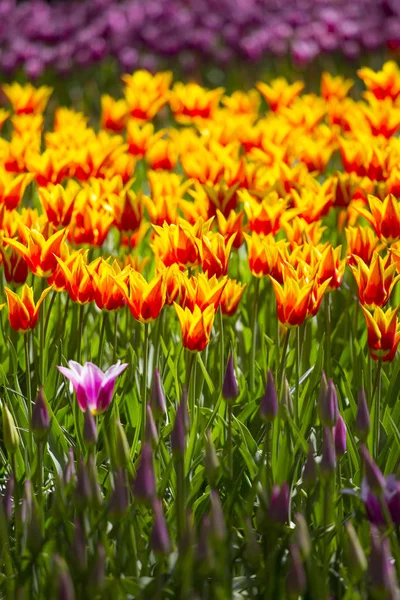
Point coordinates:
[[37, 35]]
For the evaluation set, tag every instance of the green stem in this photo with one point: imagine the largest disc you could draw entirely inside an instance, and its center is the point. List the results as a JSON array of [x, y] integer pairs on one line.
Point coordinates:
[[46, 326], [281, 372], [144, 377], [328, 335], [222, 345], [254, 337], [297, 394], [230, 445], [377, 413], [102, 332], [28, 387], [80, 332], [115, 336], [191, 393]]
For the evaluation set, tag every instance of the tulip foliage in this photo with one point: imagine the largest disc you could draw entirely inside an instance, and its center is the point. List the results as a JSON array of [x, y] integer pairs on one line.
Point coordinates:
[[199, 330]]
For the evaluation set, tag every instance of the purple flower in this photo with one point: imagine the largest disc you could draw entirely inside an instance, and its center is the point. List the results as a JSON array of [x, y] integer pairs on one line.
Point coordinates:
[[390, 496], [94, 388]]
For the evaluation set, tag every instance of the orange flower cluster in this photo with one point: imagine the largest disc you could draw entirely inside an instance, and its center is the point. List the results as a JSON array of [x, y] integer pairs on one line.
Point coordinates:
[[183, 214]]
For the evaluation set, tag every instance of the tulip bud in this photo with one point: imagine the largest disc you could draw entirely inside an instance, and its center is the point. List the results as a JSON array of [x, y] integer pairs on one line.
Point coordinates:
[[362, 423], [40, 422], [160, 542], [119, 500], [151, 433], [328, 406], [83, 491], [380, 568], [10, 433], [30, 520], [144, 486], [97, 498], [356, 556], [204, 550], [302, 536], [328, 460], [269, 402], [157, 397], [79, 554], [180, 426], [310, 471], [279, 504], [211, 459], [217, 520], [373, 474], [64, 588], [89, 429], [97, 574], [70, 471], [339, 434], [296, 577], [230, 388], [122, 452]]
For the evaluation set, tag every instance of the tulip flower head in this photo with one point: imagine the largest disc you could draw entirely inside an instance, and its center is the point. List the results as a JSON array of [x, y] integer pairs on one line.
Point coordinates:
[[94, 388]]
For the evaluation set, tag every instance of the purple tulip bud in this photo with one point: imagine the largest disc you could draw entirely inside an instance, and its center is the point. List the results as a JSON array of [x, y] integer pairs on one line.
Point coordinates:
[[40, 421], [144, 486], [157, 397], [8, 498], [328, 404], [230, 388], [286, 403], [89, 430], [122, 451], [119, 500], [380, 568], [296, 577], [97, 575], [279, 504], [362, 423], [217, 520], [64, 586], [339, 433], [302, 536], [310, 471], [27, 503], [70, 471], [83, 491], [178, 433], [328, 460], [160, 542], [373, 474], [151, 433], [269, 402], [79, 547], [204, 553]]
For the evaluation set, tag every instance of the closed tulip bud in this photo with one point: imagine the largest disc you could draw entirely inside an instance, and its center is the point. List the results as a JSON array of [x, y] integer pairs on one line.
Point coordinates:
[[83, 491], [269, 402], [211, 460], [160, 542], [178, 433], [79, 553], [381, 571], [296, 577], [328, 460], [8, 498], [70, 471], [328, 404], [339, 434], [286, 404], [362, 424], [119, 499], [97, 498], [310, 471], [302, 536], [355, 555], [230, 388], [122, 451], [40, 422], [218, 528], [373, 474], [27, 503], [97, 574], [89, 430], [157, 397], [204, 552], [278, 509], [151, 434], [64, 588], [30, 519], [144, 486], [323, 388], [10, 433]]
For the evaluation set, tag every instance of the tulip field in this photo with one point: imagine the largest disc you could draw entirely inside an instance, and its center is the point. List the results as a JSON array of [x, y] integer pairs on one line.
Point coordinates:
[[199, 378]]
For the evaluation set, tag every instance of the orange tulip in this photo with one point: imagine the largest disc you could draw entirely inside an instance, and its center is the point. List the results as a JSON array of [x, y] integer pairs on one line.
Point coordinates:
[[146, 94], [264, 216], [362, 242], [298, 231], [78, 278], [172, 281], [383, 333], [128, 210], [201, 291], [280, 93], [190, 100], [25, 99], [141, 137], [382, 84], [266, 255], [58, 202], [297, 298], [23, 314], [375, 282], [331, 267], [196, 326], [231, 296], [114, 113], [231, 224], [179, 243], [12, 188], [335, 88], [40, 254], [384, 217], [214, 253], [15, 267], [162, 155], [145, 299], [107, 294]]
